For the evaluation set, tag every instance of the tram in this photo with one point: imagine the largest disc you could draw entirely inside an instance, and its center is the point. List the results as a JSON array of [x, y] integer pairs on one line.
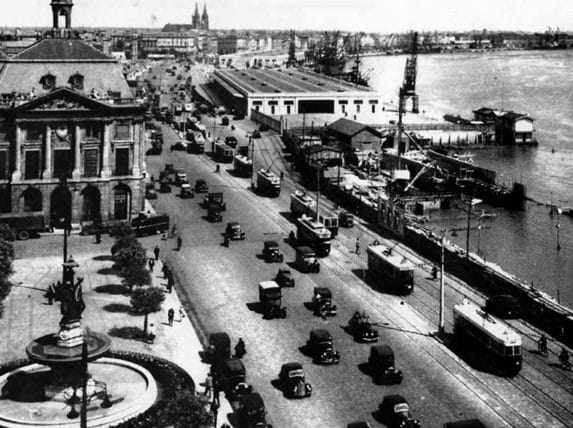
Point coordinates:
[[390, 269], [501, 343], [243, 166], [314, 234]]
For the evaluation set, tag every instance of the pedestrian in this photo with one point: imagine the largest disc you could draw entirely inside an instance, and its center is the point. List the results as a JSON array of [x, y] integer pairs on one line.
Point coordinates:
[[170, 283], [170, 316], [282, 175], [151, 333], [151, 264], [173, 231], [156, 252], [435, 272], [208, 385], [181, 313], [98, 236], [179, 243], [357, 246]]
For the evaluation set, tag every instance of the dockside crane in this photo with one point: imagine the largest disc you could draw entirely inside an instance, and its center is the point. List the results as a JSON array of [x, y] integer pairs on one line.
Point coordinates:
[[407, 90]]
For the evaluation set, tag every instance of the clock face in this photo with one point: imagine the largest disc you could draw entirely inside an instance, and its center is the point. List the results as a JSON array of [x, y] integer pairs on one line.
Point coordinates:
[[62, 131]]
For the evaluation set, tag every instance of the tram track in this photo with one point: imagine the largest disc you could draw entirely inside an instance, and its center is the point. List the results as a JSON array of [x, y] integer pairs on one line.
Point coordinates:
[[551, 405]]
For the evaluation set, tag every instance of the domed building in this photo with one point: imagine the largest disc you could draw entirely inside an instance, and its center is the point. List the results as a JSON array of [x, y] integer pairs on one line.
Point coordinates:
[[71, 134]]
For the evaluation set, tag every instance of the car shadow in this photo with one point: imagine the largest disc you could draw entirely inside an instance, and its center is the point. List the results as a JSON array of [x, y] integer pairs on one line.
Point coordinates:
[[204, 357], [305, 350], [365, 369], [256, 307], [309, 306], [378, 416], [276, 383]]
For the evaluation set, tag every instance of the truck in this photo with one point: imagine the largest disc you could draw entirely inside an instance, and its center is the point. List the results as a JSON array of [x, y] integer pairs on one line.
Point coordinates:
[[25, 225], [268, 183], [313, 233], [243, 166], [224, 153]]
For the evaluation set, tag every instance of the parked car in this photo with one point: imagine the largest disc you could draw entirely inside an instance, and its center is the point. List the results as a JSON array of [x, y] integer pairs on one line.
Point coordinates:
[[270, 297], [201, 186], [306, 260], [230, 376], [361, 328], [150, 192], [234, 232], [503, 306], [272, 253], [320, 347], [293, 382], [164, 185], [219, 347], [180, 177], [186, 191], [145, 224], [215, 198], [396, 412], [381, 365], [322, 302], [251, 411], [284, 278], [225, 121], [179, 146]]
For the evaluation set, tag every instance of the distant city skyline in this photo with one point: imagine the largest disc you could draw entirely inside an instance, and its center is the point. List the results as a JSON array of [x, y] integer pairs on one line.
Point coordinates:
[[380, 16]]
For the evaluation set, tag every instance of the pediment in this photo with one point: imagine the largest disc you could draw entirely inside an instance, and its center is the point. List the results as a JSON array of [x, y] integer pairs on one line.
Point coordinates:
[[62, 99]]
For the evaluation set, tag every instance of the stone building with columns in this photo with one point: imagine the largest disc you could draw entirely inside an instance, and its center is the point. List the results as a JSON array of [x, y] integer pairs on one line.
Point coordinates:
[[71, 135]]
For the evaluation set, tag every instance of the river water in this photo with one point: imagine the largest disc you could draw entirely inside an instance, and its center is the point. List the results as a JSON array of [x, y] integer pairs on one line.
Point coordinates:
[[539, 83]]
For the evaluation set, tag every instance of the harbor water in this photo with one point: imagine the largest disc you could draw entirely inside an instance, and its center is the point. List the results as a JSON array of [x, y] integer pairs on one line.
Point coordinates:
[[538, 83]]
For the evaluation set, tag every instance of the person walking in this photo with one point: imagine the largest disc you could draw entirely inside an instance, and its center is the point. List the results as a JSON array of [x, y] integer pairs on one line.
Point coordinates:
[[208, 385], [151, 333], [98, 236], [435, 272], [170, 316], [179, 243], [357, 246], [173, 231], [156, 252], [151, 264], [181, 313], [169, 282]]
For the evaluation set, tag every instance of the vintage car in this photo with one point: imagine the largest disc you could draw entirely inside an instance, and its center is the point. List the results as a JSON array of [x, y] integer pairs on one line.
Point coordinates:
[[361, 328], [322, 302], [381, 365], [272, 253], [319, 346], [214, 198], [150, 192], [219, 347], [150, 224], [306, 260], [231, 141], [345, 219], [234, 232], [503, 306], [186, 191], [169, 168], [270, 297], [293, 382], [214, 213], [396, 412], [284, 278], [251, 411], [164, 185], [180, 177], [230, 376], [201, 186], [178, 146]]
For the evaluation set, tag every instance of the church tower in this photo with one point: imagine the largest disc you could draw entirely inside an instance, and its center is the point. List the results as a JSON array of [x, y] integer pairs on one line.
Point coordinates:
[[196, 19], [61, 8], [204, 18]]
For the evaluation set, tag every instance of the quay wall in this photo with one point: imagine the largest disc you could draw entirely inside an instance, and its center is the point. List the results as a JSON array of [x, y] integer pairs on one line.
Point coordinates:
[[538, 308]]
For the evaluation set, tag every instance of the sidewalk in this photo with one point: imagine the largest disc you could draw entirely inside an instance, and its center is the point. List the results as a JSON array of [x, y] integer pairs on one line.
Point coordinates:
[[27, 314]]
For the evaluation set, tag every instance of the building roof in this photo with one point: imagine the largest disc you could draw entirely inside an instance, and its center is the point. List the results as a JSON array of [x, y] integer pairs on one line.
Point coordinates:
[[349, 127], [511, 115], [269, 81], [61, 49]]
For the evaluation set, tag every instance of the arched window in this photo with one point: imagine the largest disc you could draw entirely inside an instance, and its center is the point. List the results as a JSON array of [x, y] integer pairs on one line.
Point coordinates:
[[48, 81], [32, 199], [76, 81]]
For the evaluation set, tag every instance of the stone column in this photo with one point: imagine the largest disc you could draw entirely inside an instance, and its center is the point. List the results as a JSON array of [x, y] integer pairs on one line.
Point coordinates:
[[48, 154], [137, 139], [17, 174], [76, 173], [105, 169]]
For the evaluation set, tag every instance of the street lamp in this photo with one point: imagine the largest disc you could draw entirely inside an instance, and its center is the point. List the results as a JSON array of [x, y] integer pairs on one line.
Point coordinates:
[[252, 148], [558, 227]]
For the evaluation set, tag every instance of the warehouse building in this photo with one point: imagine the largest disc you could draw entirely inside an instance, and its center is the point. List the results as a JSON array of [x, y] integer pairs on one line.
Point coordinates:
[[292, 91]]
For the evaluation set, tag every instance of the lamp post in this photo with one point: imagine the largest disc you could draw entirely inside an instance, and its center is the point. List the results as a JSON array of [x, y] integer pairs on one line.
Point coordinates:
[[252, 148], [558, 227]]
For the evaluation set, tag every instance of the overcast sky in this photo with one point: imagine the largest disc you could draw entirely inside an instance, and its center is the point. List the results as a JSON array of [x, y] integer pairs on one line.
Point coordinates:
[[382, 16]]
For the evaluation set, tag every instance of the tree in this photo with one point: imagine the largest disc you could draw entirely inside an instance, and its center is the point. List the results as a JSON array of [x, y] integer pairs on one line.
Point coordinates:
[[188, 410], [6, 233], [6, 270], [131, 256], [147, 300], [136, 277]]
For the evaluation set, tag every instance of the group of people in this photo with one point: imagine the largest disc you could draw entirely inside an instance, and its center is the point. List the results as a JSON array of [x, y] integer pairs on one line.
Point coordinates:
[[544, 351]]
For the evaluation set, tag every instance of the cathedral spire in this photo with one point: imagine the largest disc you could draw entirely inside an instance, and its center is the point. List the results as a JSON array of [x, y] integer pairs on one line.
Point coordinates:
[[204, 18]]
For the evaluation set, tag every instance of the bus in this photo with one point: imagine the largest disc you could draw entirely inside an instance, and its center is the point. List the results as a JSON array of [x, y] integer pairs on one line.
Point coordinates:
[[314, 234], [243, 166], [502, 344], [389, 269]]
